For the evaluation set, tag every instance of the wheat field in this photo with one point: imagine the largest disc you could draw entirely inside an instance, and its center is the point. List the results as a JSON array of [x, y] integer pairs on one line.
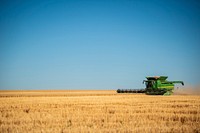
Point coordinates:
[[97, 111]]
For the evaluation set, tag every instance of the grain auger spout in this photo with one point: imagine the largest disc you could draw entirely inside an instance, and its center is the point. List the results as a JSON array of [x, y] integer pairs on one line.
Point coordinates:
[[176, 82], [156, 85]]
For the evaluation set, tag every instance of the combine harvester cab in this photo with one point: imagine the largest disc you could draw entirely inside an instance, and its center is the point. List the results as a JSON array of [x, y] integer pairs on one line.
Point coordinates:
[[156, 85]]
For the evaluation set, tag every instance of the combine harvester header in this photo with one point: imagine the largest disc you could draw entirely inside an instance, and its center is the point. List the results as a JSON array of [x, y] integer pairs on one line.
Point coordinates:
[[156, 85]]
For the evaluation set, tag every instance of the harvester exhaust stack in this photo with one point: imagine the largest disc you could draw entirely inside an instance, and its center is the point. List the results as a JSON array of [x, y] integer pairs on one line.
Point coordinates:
[[156, 85]]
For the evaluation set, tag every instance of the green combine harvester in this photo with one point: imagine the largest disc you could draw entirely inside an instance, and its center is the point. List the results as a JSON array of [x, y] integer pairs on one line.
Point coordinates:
[[157, 85]]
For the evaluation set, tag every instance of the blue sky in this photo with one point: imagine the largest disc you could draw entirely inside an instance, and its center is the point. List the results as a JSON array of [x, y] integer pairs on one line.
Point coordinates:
[[86, 44]]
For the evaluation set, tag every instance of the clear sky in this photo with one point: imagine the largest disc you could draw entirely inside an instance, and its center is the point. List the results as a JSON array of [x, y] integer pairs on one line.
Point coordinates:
[[91, 44]]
